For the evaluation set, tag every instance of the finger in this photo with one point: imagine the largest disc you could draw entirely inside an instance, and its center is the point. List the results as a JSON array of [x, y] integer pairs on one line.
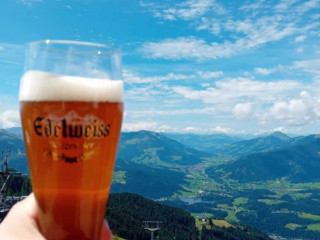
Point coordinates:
[[105, 231], [29, 206], [24, 214]]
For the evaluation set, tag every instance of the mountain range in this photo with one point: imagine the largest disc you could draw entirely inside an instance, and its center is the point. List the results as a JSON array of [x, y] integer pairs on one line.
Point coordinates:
[[161, 159], [298, 163], [153, 148], [272, 179], [272, 142]]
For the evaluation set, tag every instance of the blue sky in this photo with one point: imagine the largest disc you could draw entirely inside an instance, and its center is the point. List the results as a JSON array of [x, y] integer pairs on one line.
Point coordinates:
[[202, 66]]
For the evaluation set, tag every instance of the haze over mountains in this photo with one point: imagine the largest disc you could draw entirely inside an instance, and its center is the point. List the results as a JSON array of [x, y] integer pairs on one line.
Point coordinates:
[[257, 159]]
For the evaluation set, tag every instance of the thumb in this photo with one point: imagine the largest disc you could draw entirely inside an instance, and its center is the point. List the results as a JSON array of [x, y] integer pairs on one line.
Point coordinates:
[[105, 231]]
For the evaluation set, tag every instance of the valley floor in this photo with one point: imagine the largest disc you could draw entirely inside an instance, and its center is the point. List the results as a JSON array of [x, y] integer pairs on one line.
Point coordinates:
[[278, 207]]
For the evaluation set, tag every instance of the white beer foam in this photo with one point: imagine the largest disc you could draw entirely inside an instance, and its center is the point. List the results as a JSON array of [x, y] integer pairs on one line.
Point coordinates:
[[44, 86]]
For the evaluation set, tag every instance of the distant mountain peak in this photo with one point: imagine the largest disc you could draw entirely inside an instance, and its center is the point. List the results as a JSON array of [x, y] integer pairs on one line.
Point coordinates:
[[147, 132], [144, 131], [279, 134]]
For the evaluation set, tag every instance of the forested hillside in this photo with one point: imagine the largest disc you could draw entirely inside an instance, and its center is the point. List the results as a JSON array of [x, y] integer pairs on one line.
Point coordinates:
[[126, 213]]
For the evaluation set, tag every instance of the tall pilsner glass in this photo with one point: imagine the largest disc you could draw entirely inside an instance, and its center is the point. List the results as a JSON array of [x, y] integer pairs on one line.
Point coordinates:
[[71, 103]]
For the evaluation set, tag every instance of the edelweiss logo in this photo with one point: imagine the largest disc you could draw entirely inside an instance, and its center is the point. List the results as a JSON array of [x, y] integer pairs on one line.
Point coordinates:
[[71, 126]]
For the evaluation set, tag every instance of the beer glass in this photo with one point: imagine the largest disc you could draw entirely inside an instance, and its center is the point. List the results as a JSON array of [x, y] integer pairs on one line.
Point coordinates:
[[71, 104]]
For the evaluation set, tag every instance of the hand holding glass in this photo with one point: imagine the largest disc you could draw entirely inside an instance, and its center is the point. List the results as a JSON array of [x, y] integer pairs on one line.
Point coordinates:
[[71, 103]]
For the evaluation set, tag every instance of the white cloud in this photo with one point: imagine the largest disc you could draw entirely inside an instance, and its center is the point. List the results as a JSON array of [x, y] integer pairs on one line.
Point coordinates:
[[256, 34], [263, 71], [261, 24], [172, 112], [231, 91], [300, 49], [293, 6], [29, 3], [308, 5], [179, 48], [287, 101], [242, 111], [144, 125], [315, 16], [134, 78], [217, 129], [269, 131], [291, 102], [284, 5], [311, 66], [205, 85], [280, 129], [254, 6], [207, 75], [12, 54], [300, 38], [131, 77], [145, 93], [187, 10], [220, 129], [193, 130], [246, 26], [9, 118], [192, 9], [247, 74], [297, 111], [213, 25]]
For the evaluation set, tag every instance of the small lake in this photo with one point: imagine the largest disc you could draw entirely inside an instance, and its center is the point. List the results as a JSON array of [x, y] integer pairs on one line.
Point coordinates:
[[190, 200]]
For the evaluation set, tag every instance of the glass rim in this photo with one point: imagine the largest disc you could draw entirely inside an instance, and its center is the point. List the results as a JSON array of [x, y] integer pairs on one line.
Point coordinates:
[[49, 44]]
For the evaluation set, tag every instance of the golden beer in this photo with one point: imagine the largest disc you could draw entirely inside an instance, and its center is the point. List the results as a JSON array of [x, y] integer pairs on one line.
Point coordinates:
[[71, 145]]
